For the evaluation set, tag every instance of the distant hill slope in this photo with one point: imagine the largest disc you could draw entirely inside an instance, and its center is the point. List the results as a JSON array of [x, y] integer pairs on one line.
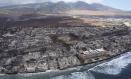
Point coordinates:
[[62, 8]]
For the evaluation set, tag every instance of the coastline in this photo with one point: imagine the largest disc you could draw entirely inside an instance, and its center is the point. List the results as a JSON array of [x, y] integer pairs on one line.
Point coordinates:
[[52, 73]]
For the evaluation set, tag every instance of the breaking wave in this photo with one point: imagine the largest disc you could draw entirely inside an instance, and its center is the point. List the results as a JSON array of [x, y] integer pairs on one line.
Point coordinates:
[[76, 75], [115, 66]]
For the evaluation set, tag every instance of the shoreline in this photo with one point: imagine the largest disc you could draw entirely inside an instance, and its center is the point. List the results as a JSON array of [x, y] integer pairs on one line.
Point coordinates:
[[52, 73]]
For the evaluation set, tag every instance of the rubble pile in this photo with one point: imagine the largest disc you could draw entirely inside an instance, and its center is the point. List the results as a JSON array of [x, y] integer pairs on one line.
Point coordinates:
[[38, 49]]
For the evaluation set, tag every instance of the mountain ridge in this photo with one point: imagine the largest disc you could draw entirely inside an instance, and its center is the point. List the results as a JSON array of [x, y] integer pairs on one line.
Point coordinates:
[[58, 8]]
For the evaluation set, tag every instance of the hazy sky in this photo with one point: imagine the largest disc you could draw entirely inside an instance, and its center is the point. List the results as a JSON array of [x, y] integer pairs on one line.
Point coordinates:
[[32, 1], [121, 4]]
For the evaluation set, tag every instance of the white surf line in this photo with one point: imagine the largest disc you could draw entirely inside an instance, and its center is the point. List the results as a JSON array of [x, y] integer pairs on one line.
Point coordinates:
[[76, 75], [48, 72], [114, 66], [94, 68]]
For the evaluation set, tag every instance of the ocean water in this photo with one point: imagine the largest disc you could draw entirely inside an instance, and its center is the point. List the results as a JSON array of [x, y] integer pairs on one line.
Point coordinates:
[[118, 68]]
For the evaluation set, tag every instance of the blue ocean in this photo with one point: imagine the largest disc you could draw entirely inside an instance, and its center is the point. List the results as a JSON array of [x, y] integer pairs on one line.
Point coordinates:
[[117, 68]]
